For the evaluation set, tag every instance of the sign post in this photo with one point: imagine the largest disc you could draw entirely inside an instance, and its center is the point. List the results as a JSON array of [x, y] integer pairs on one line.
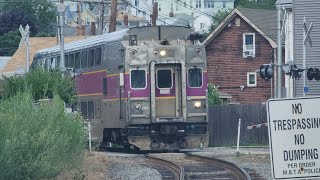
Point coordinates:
[[294, 132]]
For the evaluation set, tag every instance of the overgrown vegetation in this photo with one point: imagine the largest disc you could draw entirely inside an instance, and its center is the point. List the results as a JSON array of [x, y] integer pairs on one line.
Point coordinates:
[[38, 141], [213, 95], [41, 84], [218, 18], [260, 4]]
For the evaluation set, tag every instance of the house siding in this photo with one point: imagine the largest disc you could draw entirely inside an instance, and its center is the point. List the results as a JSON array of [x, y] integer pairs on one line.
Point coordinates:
[[310, 10], [227, 68]]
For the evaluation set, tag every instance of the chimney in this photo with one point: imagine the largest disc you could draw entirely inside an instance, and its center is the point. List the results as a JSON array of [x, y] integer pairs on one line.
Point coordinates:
[[93, 28]]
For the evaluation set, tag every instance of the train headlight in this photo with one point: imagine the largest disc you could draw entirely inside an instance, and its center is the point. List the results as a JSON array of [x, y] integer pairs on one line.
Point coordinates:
[[197, 104], [163, 53]]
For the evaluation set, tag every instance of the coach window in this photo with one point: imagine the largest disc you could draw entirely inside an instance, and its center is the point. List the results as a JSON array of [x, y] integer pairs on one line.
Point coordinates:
[[90, 110], [98, 56], [195, 77], [58, 62], [77, 60], [71, 61], [164, 78], [84, 62], [138, 79], [90, 57], [47, 64], [66, 60], [84, 109]]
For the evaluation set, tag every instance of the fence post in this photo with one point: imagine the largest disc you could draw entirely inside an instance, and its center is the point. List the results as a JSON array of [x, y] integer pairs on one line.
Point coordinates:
[[89, 130], [238, 140]]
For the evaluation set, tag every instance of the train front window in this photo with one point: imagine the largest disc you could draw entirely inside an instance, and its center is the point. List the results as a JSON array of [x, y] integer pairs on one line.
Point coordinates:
[[138, 79], [164, 78], [195, 77]]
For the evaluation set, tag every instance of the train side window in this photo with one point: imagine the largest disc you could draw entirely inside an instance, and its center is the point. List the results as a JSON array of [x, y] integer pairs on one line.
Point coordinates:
[[104, 85], [53, 63], [66, 60], [58, 62], [195, 77], [97, 109], [71, 61], [138, 79], [90, 57], [84, 62], [98, 56], [77, 60], [47, 64], [84, 109], [164, 78], [90, 110]]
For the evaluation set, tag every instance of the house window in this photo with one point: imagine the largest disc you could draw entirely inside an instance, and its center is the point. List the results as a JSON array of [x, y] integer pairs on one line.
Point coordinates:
[[136, 2], [198, 3], [237, 22], [209, 4], [191, 4], [251, 79], [248, 45], [224, 4], [201, 25]]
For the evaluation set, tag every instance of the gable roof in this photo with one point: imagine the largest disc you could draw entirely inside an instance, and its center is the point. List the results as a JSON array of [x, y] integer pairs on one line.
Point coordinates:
[[263, 21]]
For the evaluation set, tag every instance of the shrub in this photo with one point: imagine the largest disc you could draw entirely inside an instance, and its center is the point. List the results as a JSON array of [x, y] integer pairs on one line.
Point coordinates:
[[37, 141], [213, 96]]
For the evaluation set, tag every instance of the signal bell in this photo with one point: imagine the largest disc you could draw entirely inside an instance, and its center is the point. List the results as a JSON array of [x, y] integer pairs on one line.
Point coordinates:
[[266, 71], [313, 73]]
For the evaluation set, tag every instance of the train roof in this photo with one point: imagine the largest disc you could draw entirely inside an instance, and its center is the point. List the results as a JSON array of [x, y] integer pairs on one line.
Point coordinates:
[[144, 33]]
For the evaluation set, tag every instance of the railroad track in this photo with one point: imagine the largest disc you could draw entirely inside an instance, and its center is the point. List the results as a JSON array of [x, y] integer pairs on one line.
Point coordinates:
[[194, 167], [168, 169]]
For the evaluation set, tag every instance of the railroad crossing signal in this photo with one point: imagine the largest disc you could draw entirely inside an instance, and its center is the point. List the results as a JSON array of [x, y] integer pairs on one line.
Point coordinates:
[[266, 71], [313, 73], [25, 39], [307, 33]]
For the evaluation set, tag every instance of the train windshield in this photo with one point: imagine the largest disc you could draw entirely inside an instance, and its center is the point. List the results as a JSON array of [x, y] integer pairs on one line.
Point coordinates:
[[195, 77], [138, 78], [164, 78]]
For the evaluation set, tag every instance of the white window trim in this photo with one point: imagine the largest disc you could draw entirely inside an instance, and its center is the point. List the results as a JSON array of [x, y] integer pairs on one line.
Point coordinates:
[[244, 45], [145, 71], [248, 79]]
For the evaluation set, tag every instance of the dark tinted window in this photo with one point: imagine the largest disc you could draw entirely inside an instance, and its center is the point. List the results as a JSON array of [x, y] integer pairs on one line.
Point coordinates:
[[84, 109], [98, 56], [90, 57], [66, 60], [77, 60], [84, 62], [138, 79], [164, 78], [90, 110], [195, 77], [71, 61]]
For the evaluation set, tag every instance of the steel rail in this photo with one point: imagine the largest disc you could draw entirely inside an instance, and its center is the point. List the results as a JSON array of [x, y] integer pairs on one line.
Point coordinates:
[[239, 172], [179, 171]]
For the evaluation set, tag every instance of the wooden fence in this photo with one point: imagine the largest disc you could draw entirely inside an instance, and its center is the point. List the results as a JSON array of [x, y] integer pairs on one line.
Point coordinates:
[[223, 125]]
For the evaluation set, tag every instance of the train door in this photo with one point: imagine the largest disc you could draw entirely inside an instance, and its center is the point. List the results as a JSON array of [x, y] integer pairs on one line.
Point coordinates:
[[167, 91]]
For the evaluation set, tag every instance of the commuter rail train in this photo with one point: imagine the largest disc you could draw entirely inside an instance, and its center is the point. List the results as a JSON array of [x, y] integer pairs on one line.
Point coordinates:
[[142, 87]]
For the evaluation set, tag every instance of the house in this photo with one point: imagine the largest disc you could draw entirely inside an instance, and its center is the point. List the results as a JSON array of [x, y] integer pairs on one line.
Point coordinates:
[[237, 48], [310, 11]]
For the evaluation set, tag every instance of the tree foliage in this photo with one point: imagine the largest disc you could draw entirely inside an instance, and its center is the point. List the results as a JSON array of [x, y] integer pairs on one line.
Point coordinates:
[[213, 96], [260, 4], [41, 84], [218, 18], [41, 13], [38, 141], [9, 42]]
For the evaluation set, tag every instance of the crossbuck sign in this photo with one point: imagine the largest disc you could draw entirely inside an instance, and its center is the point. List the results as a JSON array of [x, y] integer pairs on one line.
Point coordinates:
[[294, 132], [25, 39]]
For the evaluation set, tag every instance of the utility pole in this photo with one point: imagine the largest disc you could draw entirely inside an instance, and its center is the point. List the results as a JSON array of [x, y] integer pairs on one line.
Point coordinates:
[[154, 15], [306, 38], [61, 9], [279, 57], [101, 18], [113, 16]]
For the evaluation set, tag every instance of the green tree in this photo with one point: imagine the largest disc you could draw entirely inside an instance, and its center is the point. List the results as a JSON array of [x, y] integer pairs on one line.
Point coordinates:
[[41, 84], [213, 96], [9, 43], [260, 4], [218, 18]]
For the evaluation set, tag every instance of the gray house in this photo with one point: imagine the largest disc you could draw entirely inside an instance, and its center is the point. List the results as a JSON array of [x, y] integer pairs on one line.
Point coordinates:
[[310, 10]]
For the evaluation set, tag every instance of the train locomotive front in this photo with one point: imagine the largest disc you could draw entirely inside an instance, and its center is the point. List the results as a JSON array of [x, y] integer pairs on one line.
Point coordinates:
[[146, 87]]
